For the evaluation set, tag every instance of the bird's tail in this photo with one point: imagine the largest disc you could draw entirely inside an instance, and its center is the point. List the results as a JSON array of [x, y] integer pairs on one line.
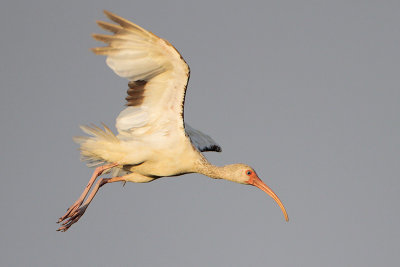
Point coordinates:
[[97, 148]]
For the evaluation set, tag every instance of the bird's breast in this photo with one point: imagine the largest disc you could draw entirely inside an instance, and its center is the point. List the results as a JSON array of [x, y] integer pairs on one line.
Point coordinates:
[[171, 162]]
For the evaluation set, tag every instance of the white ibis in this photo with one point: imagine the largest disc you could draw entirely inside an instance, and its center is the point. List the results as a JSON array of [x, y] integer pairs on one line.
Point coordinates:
[[153, 141]]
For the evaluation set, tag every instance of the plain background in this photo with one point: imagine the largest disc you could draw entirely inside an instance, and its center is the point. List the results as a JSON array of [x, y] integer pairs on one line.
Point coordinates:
[[307, 92]]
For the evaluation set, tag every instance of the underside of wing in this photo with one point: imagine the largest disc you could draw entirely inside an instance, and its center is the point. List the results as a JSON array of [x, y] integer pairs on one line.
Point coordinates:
[[201, 141], [157, 76]]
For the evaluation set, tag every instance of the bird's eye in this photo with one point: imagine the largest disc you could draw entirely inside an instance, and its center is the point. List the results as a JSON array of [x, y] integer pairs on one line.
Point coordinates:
[[249, 173]]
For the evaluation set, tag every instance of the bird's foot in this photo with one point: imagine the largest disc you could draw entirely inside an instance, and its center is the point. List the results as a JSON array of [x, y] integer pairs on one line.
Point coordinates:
[[72, 218], [70, 210]]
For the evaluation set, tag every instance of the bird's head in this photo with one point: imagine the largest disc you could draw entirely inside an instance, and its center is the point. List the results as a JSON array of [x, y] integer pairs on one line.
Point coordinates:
[[244, 174]]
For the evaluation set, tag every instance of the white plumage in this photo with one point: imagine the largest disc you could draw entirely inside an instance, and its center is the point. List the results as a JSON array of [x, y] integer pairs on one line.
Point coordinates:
[[156, 118], [153, 141]]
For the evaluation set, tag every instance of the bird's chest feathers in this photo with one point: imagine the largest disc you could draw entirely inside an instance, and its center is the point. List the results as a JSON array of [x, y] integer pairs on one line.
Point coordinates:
[[174, 161]]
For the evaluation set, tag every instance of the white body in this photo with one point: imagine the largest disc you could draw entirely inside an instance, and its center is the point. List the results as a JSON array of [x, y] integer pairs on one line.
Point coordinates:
[[151, 140]]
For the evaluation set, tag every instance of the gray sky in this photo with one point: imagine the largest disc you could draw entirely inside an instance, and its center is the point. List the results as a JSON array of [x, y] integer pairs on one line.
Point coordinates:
[[306, 92]]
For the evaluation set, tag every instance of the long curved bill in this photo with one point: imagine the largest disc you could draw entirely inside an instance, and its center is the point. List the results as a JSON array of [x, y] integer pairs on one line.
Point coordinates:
[[260, 184]]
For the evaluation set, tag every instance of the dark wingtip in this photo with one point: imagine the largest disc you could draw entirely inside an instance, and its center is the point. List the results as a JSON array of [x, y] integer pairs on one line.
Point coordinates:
[[215, 148]]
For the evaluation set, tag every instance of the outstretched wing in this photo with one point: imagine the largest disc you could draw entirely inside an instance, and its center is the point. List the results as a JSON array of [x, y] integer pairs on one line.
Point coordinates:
[[157, 75], [201, 141]]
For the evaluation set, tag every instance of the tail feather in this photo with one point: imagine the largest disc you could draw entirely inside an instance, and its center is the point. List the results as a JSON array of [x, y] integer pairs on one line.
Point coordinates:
[[96, 149]]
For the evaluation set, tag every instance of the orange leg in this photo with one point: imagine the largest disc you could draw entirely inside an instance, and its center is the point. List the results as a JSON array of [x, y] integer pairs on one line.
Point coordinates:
[[77, 214], [98, 171]]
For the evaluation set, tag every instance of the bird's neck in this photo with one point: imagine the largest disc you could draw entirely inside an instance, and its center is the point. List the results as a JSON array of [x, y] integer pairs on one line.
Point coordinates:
[[212, 171]]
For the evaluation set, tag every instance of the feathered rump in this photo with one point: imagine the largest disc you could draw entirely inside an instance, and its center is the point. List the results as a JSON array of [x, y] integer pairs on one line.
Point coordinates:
[[99, 147]]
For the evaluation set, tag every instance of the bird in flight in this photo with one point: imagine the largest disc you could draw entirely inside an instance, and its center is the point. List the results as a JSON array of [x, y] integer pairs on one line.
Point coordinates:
[[153, 140]]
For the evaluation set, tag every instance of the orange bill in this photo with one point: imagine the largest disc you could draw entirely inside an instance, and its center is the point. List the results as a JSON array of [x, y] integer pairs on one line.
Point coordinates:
[[254, 180]]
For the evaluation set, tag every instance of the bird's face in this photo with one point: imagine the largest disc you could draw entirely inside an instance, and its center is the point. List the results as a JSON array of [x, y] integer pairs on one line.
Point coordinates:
[[244, 174]]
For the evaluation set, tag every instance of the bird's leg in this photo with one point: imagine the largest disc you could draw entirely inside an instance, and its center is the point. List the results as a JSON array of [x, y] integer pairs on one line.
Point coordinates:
[[97, 172], [77, 214]]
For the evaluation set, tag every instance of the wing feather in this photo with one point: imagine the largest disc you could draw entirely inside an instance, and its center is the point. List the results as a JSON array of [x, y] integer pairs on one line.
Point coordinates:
[[157, 73], [116, 40], [109, 26], [125, 23], [201, 141], [158, 77]]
